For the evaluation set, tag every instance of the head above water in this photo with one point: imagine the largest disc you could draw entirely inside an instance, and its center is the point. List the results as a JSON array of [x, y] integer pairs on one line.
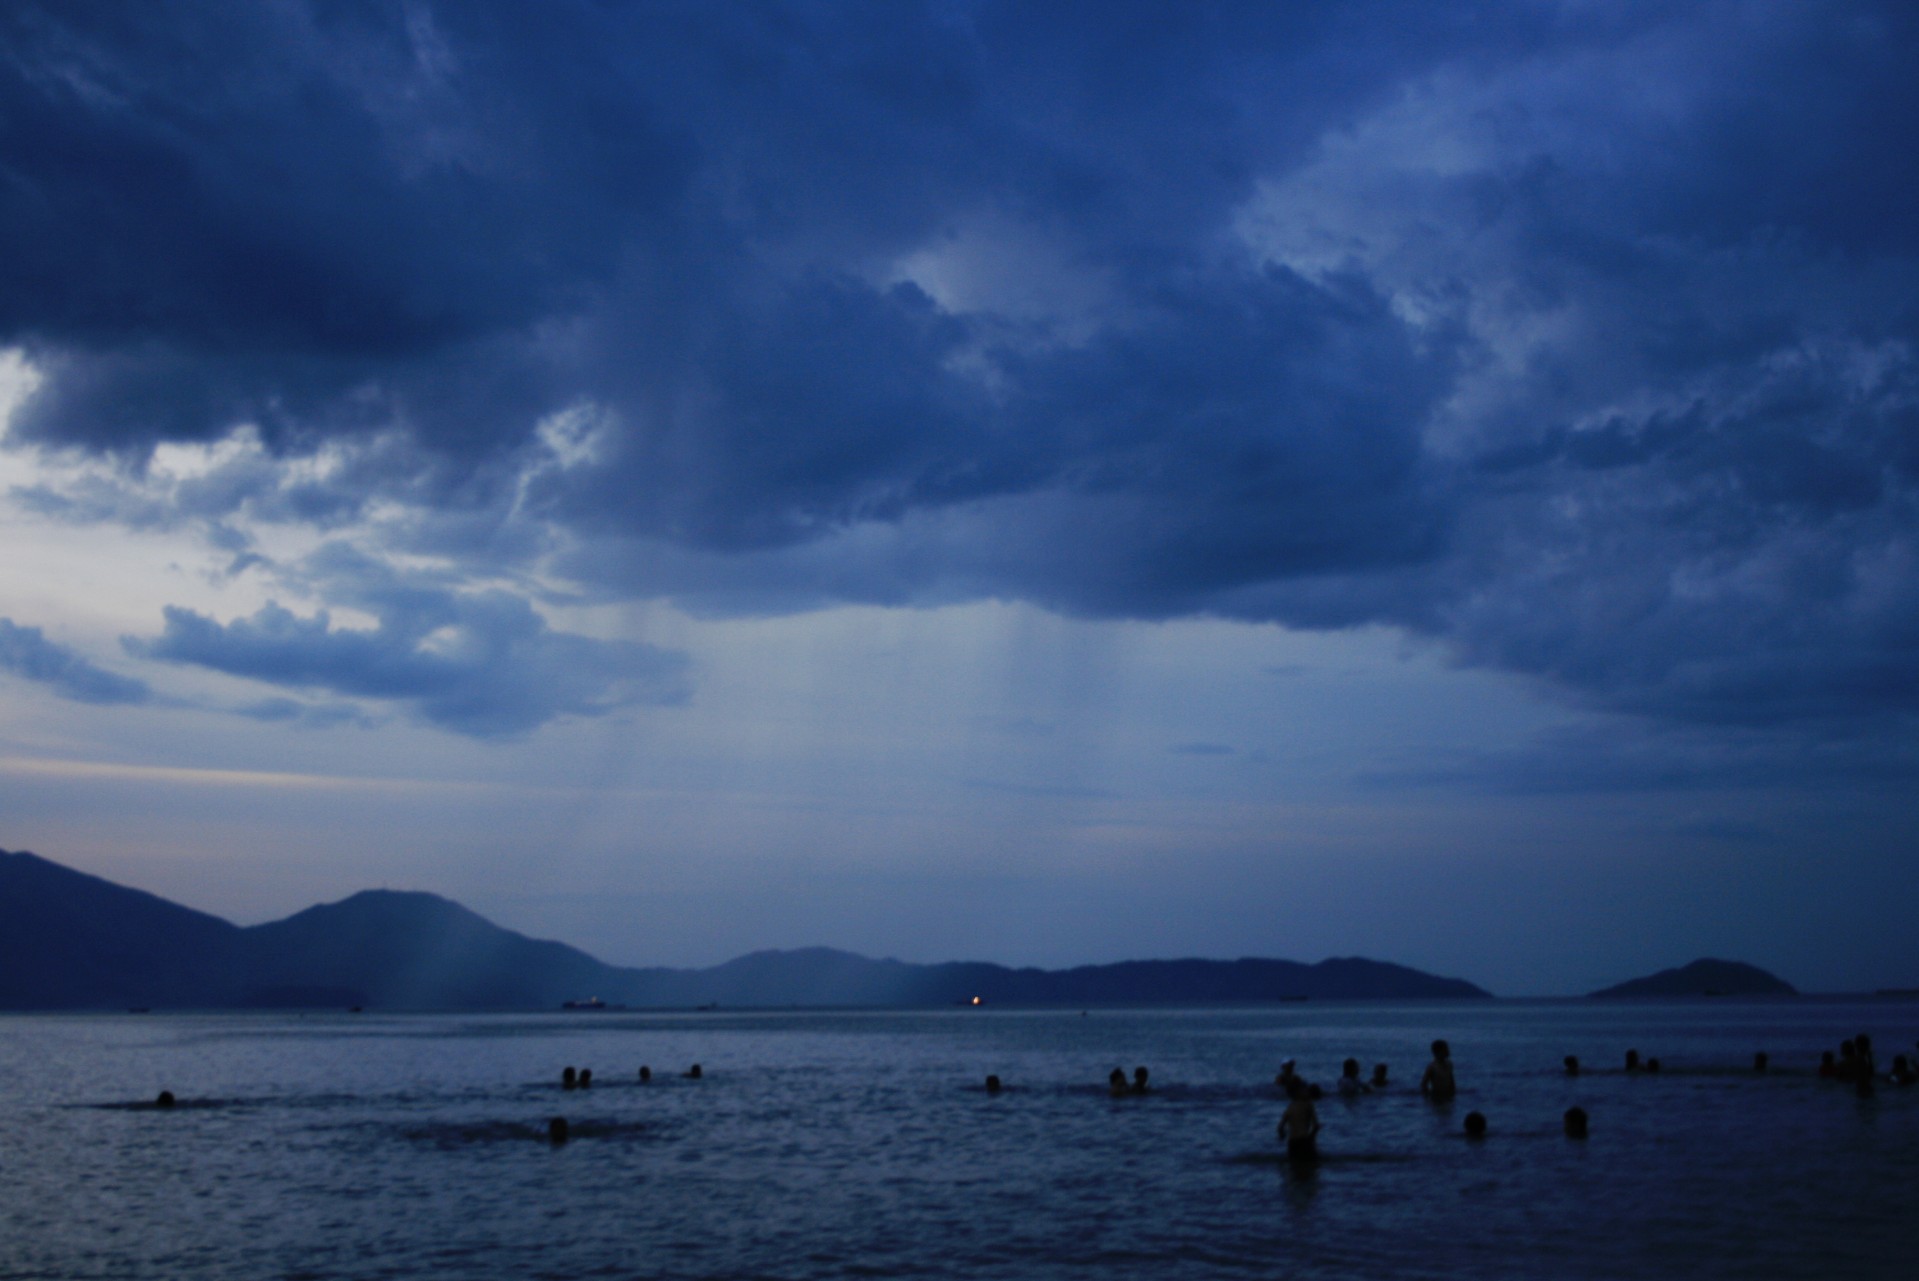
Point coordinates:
[[1379, 1074], [1572, 1065], [166, 1099], [1759, 1061], [1350, 1068], [646, 1073], [992, 1084], [557, 1130], [1575, 1123], [1632, 1060], [1476, 1125], [694, 1072]]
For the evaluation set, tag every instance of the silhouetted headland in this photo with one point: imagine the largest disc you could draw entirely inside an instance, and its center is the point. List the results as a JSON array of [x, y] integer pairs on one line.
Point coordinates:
[[1704, 978]]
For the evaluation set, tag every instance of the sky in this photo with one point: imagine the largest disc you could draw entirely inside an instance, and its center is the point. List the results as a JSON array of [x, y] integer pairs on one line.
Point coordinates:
[[1048, 484]]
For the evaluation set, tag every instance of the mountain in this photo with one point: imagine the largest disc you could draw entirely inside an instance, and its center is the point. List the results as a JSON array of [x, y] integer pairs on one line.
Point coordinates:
[[1704, 978], [68, 940], [71, 940], [409, 950]]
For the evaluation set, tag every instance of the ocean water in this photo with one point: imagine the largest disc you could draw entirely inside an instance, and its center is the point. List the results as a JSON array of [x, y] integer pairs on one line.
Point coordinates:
[[827, 1145]]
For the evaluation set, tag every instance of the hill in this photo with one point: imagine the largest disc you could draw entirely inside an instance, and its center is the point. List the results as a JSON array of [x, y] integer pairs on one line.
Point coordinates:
[[1704, 977], [73, 941]]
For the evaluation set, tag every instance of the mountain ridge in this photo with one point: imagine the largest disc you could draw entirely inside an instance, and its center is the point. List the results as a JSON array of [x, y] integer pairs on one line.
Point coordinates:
[[110, 945]]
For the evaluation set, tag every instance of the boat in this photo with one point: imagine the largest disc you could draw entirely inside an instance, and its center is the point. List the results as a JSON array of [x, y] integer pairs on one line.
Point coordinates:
[[590, 1003]]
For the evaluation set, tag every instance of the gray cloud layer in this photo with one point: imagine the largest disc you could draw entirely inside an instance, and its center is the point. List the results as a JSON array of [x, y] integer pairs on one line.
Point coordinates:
[[1579, 337], [28, 654]]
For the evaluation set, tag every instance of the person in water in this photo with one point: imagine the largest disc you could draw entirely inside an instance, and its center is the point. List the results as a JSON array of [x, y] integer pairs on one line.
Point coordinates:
[[1139, 1080], [1379, 1076], [1350, 1086], [1299, 1126], [1286, 1076], [1116, 1083], [1437, 1083], [1572, 1065]]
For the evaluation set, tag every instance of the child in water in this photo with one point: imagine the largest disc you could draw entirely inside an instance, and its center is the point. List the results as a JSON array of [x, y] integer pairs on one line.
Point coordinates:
[[1299, 1127]]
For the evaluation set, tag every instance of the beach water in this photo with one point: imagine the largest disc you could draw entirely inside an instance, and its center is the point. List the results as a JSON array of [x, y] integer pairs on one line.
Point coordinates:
[[820, 1145]]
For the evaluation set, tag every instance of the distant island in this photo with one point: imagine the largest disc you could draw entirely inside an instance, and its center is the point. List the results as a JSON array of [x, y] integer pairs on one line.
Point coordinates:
[[1704, 977], [73, 941]]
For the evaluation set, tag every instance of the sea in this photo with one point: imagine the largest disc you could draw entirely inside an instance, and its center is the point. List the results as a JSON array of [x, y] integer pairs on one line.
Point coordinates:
[[865, 1144]]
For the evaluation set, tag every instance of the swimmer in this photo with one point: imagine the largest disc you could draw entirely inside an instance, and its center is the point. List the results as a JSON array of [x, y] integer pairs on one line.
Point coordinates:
[[693, 1073], [992, 1084], [1286, 1074], [1760, 1061], [1575, 1123], [1652, 1065], [1827, 1068], [646, 1074], [1350, 1086], [1379, 1076], [1299, 1127], [1572, 1065], [569, 1078], [1475, 1125], [556, 1131], [166, 1099], [1902, 1073], [1632, 1060], [1437, 1083], [1116, 1083], [586, 1077], [1139, 1080], [1862, 1050]]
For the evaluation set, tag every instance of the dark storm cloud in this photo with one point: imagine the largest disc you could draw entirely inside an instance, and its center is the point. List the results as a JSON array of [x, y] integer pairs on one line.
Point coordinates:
[[1580, 338], [27, 653]]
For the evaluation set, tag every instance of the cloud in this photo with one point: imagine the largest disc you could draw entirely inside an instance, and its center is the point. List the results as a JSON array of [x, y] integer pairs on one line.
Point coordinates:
[[480, 663], [28, 654], [1579, 340]]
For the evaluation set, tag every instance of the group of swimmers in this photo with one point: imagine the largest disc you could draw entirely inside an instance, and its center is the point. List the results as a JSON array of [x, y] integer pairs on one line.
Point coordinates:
[[1299, 1124], [582, 1078], [1855, 1064]]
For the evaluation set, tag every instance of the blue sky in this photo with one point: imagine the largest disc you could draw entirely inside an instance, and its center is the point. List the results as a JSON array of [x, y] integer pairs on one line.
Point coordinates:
[[1035, 483]]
